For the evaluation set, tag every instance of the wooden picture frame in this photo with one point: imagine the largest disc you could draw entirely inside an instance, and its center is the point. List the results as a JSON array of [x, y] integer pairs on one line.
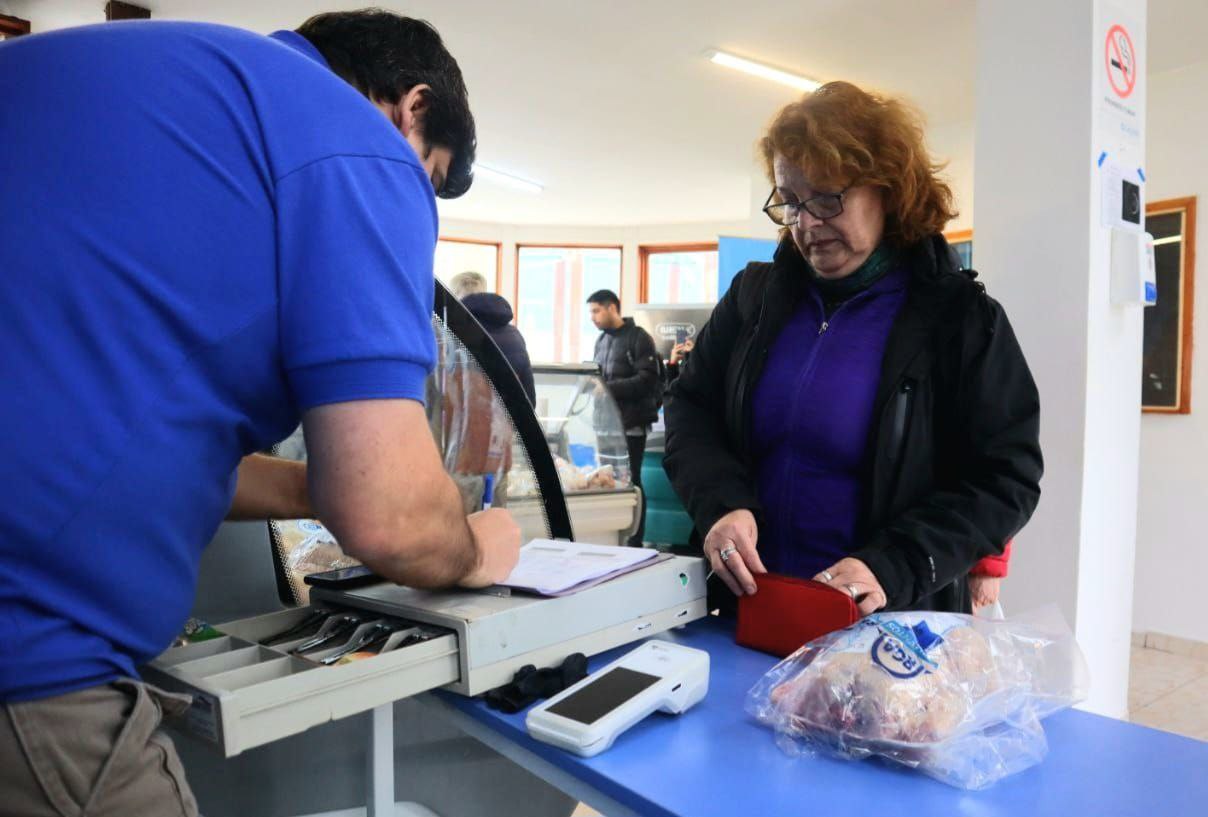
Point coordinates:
[[12, 27], [1167, 345], [126, 11]]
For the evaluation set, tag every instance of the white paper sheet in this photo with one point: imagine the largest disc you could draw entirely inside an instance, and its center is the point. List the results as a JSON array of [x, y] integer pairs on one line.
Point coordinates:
[[549, 567]]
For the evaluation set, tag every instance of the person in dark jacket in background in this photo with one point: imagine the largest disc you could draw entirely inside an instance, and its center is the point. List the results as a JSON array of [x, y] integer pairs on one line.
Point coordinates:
[[629, 365], [495, 315], [858, 410], [679, 356]]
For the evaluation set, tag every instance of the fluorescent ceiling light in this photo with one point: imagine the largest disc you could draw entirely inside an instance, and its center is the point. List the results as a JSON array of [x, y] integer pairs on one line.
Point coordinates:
[[507, 179], [764, 71], [1170, 239]]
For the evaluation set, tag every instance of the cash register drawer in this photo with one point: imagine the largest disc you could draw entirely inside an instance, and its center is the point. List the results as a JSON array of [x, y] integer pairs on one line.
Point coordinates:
[[246, 694]]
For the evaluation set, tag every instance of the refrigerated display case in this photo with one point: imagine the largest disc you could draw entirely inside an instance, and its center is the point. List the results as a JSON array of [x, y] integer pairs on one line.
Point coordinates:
[[582, 428]]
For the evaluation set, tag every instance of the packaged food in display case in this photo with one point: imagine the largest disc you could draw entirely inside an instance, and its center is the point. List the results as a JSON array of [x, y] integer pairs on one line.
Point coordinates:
[[476, 433], [956, 697], [308, 547]]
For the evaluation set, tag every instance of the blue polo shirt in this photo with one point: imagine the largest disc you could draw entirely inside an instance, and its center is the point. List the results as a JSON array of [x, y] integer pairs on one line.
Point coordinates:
[[203, 233]]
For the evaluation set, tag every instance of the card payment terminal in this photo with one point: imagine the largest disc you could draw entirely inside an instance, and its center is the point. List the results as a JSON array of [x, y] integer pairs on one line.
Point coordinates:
[[587, 717]]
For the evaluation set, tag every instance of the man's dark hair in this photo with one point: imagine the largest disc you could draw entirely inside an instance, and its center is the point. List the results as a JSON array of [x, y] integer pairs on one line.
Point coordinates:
[[384, 55], [605, 298]]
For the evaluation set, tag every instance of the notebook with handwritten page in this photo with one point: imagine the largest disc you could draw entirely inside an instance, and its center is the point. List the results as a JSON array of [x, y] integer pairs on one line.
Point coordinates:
[[555, 568]]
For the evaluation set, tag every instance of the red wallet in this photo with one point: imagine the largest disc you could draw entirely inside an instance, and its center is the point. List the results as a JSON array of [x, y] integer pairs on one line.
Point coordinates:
[[786, 613]]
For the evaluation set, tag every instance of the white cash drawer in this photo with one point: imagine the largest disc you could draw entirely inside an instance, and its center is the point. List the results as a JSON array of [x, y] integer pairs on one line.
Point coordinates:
[[247, 693]]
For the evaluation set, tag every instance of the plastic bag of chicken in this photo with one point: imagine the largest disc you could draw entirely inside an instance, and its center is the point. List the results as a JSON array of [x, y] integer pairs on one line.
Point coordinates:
[[955, 697]]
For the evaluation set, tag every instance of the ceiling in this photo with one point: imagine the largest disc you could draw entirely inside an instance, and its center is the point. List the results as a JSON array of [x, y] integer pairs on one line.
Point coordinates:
[[615, 109]]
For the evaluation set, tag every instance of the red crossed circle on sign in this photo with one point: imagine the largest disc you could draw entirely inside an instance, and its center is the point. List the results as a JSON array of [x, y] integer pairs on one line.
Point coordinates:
[[1120, 59]]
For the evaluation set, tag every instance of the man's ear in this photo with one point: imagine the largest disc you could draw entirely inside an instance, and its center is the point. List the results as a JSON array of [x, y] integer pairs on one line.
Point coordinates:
[[412, 109]]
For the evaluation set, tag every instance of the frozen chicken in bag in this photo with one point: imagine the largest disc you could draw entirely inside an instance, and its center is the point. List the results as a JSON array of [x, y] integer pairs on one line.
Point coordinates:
[[956, 697]]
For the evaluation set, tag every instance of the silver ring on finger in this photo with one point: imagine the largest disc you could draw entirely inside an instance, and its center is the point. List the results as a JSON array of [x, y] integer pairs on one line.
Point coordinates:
[[726, 553], [851, 588], [827, 576]]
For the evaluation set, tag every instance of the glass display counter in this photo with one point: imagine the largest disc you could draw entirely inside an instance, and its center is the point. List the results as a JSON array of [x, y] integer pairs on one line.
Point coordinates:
[[582, 427]]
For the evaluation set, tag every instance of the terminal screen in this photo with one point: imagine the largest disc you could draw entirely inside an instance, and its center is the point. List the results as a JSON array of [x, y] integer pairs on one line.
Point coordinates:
[[603, 695]]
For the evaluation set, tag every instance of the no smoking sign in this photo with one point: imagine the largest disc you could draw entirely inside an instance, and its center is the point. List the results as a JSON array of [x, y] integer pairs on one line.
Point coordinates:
[[1120, 59]]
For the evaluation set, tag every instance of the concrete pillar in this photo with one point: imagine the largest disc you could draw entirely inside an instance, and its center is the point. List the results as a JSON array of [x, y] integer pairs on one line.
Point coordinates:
[[1047, 110]]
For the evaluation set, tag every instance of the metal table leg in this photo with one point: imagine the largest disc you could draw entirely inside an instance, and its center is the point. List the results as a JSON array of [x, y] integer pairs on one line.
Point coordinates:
[[379, 767]]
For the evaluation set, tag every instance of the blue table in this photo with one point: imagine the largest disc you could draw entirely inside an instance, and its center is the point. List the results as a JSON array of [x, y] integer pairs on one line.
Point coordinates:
[[715, 760]]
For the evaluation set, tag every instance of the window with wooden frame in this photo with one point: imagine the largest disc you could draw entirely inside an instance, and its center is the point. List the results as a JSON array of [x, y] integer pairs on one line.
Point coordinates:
[[1166, 348], [456, 255], [553, 282], [678, 273], [12, 27]]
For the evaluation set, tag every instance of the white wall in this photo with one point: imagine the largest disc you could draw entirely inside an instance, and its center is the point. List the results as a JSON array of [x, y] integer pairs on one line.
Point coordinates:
[[46, 15], [1172, 531], [953, 144]]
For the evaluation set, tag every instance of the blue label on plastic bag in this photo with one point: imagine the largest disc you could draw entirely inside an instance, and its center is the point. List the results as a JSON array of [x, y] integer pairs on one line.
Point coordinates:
[[902, 651]]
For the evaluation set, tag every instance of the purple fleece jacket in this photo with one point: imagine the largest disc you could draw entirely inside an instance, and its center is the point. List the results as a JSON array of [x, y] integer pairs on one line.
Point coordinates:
[[812, 414]]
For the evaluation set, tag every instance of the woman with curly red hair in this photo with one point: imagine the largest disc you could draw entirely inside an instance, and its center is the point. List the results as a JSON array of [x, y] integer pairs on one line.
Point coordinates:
[[858, 410]]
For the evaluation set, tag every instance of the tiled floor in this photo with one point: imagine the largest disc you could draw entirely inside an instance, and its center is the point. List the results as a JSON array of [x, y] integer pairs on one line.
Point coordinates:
[[1169, 692]]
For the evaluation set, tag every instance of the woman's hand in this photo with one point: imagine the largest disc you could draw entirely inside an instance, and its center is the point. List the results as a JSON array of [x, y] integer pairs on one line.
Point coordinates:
[[853, 577], [984, 590], [730, 549]]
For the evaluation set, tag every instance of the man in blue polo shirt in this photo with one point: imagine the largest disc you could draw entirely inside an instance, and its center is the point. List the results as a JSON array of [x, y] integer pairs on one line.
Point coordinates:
[[205, 236]]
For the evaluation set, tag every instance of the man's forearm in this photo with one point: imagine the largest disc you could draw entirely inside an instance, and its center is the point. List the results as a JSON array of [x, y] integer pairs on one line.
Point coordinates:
[[432, 546], [270, 488], [378, 483]]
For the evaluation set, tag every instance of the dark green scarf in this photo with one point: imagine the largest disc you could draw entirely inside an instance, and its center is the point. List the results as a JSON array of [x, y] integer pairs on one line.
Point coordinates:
[[834, 292]]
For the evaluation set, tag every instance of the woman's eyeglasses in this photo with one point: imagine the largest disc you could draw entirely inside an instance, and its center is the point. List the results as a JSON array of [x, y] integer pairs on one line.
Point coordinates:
[[823, 206]]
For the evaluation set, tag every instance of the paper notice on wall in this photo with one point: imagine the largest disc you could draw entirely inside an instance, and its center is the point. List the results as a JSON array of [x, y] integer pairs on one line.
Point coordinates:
[[1123, 197]]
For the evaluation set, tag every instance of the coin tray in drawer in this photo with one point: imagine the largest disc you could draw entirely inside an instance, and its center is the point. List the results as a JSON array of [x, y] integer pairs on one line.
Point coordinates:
[[246, 694]]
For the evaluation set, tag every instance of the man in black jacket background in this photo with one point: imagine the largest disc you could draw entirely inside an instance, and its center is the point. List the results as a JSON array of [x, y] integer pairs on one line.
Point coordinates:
[[629, 365]]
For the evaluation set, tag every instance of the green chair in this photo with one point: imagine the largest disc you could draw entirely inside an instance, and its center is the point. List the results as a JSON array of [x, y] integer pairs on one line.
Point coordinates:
[[667, 523]]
